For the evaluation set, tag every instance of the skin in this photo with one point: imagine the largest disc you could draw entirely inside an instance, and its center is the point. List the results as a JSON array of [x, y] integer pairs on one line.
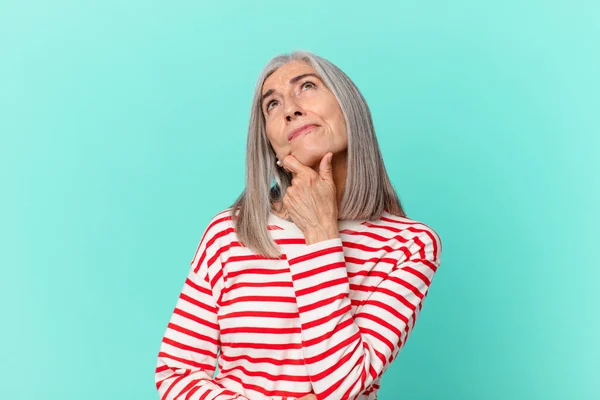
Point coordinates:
[[310, 396], [313, 200]]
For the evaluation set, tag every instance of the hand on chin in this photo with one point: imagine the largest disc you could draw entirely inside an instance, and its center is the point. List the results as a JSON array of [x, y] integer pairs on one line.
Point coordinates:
[[309, 159]]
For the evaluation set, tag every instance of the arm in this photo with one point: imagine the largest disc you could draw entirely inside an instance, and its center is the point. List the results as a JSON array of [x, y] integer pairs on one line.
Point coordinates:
[[345, 354], [188, 352]]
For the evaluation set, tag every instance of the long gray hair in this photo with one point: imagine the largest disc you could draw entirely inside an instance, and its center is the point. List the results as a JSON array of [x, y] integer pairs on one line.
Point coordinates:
[[368, 190]]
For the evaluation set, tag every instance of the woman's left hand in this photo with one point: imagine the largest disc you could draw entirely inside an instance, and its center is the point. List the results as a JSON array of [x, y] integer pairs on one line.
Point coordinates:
[[311, 200], [310, 396]]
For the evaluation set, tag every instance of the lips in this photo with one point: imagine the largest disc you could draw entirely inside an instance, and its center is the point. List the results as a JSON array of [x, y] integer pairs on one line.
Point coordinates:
[[301, 130]]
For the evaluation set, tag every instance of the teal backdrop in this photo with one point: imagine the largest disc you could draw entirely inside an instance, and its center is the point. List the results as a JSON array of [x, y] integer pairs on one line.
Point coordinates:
[[123, 131]]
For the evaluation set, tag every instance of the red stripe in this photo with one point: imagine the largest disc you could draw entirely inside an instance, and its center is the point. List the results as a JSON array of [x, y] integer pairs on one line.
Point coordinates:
[[192, 363], [183, 346], [325, 319], [321, 303], [315, 254], [192, 333], [199, 320], [187, 388], [319, 270]]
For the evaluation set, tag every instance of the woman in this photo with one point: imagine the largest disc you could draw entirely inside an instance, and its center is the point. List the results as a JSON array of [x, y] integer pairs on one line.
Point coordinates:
[[310, 283]]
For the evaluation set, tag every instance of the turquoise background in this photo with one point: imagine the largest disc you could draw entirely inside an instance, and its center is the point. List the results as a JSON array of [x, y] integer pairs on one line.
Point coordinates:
[[123, 131]]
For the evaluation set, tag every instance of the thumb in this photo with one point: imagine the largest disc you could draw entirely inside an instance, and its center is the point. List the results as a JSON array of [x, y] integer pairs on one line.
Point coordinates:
[[325, 169]]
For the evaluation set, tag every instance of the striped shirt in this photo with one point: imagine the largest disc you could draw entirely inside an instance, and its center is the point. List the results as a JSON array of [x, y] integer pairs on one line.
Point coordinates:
[[326, 318]]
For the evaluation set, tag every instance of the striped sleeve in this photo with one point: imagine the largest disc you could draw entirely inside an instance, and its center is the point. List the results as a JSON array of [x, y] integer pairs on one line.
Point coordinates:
[[346, 353], [188, 352]]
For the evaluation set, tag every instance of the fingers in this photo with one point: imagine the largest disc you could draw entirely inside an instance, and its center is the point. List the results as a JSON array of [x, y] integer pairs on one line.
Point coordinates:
[[325, 168], [292, 164]]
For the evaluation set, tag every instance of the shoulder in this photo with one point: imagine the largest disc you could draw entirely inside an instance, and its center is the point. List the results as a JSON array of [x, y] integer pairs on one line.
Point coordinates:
[[215, 234], [221, 226], [421, 238], [221, 221]]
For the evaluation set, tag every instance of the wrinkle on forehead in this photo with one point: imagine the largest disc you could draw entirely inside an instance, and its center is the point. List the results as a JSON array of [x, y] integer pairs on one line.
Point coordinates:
[[281, 77]]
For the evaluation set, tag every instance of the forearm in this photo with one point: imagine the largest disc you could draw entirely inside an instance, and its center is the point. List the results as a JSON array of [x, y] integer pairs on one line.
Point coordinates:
[[321, 233]]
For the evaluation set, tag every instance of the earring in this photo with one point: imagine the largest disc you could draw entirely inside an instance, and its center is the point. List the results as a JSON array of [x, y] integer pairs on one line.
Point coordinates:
[[278, 162]]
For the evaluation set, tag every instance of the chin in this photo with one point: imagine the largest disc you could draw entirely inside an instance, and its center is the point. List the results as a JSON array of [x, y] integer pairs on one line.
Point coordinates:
[[309, 158]]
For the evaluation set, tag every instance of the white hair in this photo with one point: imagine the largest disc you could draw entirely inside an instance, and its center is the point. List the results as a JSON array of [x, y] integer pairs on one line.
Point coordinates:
[[368, 190]]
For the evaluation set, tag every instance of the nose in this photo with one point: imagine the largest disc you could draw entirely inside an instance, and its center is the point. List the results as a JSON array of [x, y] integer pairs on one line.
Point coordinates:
[[288, 116], [292, 109]]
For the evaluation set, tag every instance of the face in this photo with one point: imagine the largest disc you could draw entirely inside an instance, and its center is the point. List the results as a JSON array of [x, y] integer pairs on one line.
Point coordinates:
[[293, 101]]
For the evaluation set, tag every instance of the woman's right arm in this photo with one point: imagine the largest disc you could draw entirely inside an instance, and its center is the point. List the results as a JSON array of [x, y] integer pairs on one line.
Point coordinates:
[[188, 352]]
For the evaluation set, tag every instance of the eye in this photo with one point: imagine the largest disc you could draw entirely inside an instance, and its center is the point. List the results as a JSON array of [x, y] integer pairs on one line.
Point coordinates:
[[313, 85], [275, 101], [271, 102]]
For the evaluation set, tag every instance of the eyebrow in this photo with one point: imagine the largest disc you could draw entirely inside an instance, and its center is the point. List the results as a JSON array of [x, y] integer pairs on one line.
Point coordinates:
[[292, 81]]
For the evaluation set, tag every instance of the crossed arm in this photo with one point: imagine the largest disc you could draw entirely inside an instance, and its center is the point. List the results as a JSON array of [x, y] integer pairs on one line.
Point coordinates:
[[344, 353]]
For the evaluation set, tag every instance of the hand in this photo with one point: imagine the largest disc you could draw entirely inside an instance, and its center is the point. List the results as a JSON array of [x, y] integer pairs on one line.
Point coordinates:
[[310, 396], [311, 199]]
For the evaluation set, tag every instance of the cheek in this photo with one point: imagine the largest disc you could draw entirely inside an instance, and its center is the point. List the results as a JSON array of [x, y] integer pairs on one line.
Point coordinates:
[[275, 137], [334, 114], [339, 116], [340, 133], [338, 123], [271, 130]]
